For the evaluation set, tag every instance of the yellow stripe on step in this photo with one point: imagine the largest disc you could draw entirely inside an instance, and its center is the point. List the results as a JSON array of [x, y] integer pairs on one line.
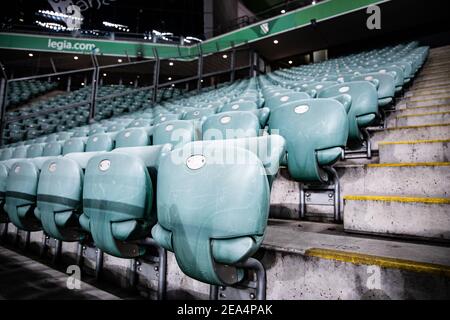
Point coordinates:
[[420, 126], [429, 99], [387, 143], [419, 164], [399, 199], [384, 262], [424, 114], [441, 105]]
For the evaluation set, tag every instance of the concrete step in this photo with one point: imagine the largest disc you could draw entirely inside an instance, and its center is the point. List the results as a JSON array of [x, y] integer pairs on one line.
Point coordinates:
[[436, 96], [419, 110], [409, 217], [424, 132], [419, 119], [333, 265], [429, 91], [424, 102], [22, 278], [431, 78], [425, 74], [419, 179], [419, 151], [430, 84]]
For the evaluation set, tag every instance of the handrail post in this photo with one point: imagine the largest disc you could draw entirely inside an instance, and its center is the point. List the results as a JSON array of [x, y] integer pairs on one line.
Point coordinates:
[[95, 77], [156, 70], [233, 63], [200, 68]]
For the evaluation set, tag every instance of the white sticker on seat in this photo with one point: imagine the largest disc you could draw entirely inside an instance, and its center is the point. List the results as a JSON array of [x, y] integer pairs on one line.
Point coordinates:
[[225, 120], [368, 78], [383, 71], [301, 109], [196, 113], [104, 165], [344, 89], [284, 98], [235, 107], [163, 119], [52, 167], [196, 162], [318, 87], [169, 128], [17, 169], [127, 134], [95, 139]]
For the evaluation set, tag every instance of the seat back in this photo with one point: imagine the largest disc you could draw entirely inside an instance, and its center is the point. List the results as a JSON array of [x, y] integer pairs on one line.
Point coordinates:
[[386, 86], [35, 150], [20, 152], [239, 106], [59, 196], [132, 137], [207, 232], [231, 125], [117, 203], [198, 114], [364, 107], [316, 132], [177, 133], [100, 142], [74, 145], [52, 149], [276, 100], [20, 195]]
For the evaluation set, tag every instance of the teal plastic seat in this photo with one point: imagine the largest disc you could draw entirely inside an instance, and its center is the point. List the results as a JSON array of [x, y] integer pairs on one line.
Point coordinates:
[[277, 100], [210, 234], [385, 88], [35, 150], [199, 114], [118, 199], [141, 123], [166, 117], [316, 133], [363, 110], [100, 142], [52, 149], [231, 125], [21, 191], [74, 145], [20, 152], [239, 106], [59, 196], [132, 137], [6, 154], [177, 133]]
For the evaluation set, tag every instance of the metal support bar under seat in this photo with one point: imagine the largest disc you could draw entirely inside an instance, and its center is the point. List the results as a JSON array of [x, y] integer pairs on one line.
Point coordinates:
[[49, 243], [159, 271], [86, 251], [325, 195], [259, 286]]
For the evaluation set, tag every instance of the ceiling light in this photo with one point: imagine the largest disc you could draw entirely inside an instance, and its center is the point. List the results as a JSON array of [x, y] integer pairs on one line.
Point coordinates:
[[171, 64], [119, 60], [75, 58], [225, 56], [30, 54], [104, 74], [170, 78], [275, 41], [290, 62], [283, 11]]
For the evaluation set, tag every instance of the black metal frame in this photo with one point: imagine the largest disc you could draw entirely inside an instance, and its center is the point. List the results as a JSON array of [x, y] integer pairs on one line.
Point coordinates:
[[158, 268], [96, 70], [47, 246], [324, 195], [257, 290]]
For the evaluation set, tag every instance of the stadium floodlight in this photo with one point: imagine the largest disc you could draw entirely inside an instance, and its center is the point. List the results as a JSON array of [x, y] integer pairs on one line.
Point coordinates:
[[194, 39]]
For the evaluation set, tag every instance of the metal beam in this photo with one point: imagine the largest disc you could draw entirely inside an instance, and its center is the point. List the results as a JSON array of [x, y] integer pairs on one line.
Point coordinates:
[[95, 77], [156, 70], [3, 92], [200, 68]]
